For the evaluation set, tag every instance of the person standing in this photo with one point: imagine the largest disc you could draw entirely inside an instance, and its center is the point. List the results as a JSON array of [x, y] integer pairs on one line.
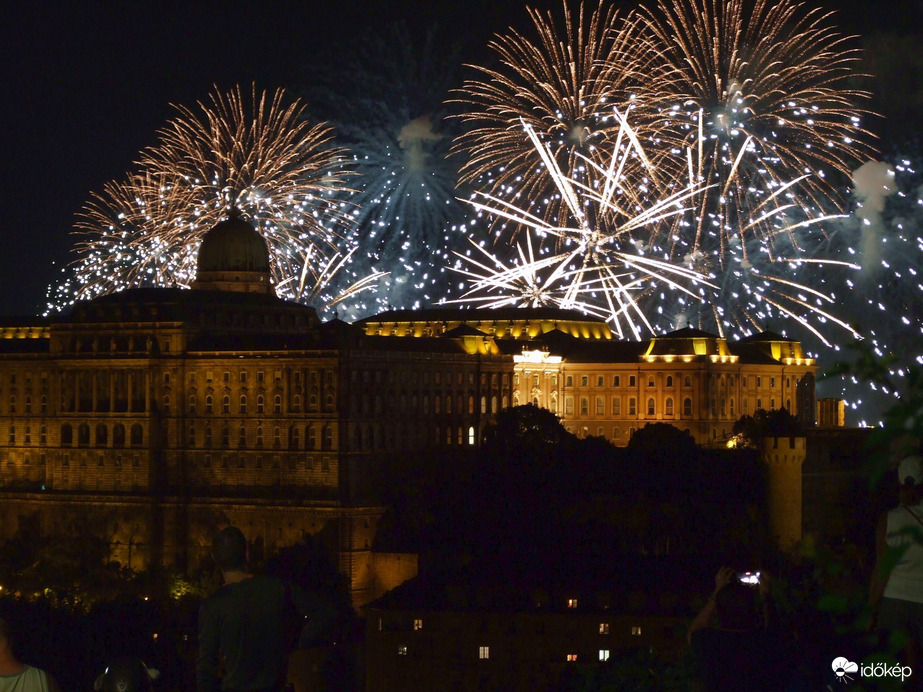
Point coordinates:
[[243, 626], [16, 676], [896, 595]]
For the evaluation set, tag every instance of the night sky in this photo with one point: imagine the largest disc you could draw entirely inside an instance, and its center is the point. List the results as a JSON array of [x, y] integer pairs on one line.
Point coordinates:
[[85, 88]]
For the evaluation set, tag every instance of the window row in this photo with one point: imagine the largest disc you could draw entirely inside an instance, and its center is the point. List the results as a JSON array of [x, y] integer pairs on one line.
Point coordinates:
[[291, 438], [598, 407], [243, 405], [415, 377], [617, 380], [313, 377], [101, 435], [27, 404]]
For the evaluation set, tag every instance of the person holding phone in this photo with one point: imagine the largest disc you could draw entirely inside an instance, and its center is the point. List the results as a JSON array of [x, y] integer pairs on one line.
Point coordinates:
[[734, 645]]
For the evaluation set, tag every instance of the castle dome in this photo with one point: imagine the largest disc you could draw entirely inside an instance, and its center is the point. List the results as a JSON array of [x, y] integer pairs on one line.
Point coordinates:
[[233, 257], [233, 245]]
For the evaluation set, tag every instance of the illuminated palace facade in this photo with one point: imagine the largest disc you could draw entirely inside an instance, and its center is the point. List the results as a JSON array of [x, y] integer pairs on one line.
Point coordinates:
[[598, 385], [154, 416]]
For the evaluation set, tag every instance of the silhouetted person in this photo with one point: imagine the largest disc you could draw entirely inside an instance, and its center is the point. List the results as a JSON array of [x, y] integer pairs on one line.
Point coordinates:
[[244, 626], [733, 644], [896, 595], [16, 676]]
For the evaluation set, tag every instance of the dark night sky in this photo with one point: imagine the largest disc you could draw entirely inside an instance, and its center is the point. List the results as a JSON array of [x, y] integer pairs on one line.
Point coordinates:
[[85, 87]]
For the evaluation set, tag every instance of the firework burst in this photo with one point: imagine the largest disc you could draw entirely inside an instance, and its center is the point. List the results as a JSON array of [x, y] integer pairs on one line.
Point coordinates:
[[255, 153], [564, 85], [385, 94], [603, 262], [764, 99]]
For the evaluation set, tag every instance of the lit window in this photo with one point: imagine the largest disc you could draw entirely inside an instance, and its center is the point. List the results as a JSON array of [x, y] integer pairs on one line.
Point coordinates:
[[483, 652], [604, 628], [402, 650], [635, 631], [584, 380], [418, 624], [604, 654], [571, 657], [571, 602]]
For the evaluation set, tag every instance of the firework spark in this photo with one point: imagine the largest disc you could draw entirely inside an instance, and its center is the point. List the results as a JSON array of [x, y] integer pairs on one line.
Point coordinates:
[[255, 153], [755, 107], [563, 86], [601, 265], [385, 94]]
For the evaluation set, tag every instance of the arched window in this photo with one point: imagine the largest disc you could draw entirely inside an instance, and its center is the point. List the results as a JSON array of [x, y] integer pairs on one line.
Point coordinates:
[[651, 406], [668, 406], [118, 435], [190, 436], [242, 437], [277, 404], [43, 404], [461, 435], [28, 404], [632, 406], [669, 380], [208, 403], [483, 404], [310, 433], [226, 404], [296, 403], [505, 402], [437, 404], [259, 404], [67, 434], [27, 438], [650, 381], [277, 437], [225, 436], [12, 403], [12, 435], [102, 435], [192, 403], [242, 406], [471, 404], [259, 436], [43, 435], [327, 437], [687, 406], [493, 404], [687, 382], [471, 438], [137, 435], [553, 404], [208, 437], [516, 398], [731, 407], [294, 438], [83, 435]]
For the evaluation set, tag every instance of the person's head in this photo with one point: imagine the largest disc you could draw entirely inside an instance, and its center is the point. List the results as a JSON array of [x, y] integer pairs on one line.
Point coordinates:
[[738, 606], [230, 550], [910, 479]]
